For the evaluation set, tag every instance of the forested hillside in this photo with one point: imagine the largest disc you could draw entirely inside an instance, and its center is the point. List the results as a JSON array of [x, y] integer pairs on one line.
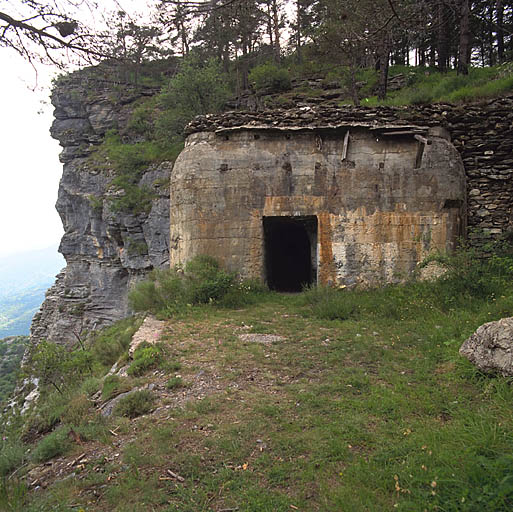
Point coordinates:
[[306, 35], [24, 279], [11, 353]]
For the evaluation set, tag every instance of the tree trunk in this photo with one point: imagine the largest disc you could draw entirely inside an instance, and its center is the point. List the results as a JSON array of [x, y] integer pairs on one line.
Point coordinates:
[[298, 31], [500, 31], [276, 26], [464, 47], [491, 26], [383, 70], [270, 32], [442, 36]]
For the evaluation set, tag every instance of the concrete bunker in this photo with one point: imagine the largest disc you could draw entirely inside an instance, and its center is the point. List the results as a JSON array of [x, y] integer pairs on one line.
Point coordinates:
[[351, 204], [290, 252]]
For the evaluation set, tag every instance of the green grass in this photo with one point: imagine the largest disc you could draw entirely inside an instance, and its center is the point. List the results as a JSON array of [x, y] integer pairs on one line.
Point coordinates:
[[146, 357], [135, 404], [429, 86], [54, 444], [365, 404]]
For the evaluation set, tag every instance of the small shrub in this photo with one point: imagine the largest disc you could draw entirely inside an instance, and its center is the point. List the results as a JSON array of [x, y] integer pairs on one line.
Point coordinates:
[[175, 383], [135, 404], [114, 385], [12, 455], [114, 341], [137, 248], [206, 281], [90, 386], [77, 410], [142, 119], [146, 357], [134, 199], [168, 291], [52, 445], [269, 77], [164, 289], [96, 204], [47, 362]]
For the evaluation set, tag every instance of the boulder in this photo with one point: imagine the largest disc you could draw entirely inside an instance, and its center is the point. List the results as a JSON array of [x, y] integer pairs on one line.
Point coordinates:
[[490, 348]]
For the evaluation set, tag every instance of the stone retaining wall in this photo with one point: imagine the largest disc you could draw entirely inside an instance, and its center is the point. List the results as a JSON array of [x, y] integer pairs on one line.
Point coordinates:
[[482, 133]]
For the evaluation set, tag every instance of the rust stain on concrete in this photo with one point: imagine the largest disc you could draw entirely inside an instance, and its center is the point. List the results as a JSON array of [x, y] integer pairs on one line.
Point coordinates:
[[327, 271], [377, 218]]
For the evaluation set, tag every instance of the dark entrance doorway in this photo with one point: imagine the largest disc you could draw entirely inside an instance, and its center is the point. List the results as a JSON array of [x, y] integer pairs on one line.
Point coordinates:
[[290, 252]]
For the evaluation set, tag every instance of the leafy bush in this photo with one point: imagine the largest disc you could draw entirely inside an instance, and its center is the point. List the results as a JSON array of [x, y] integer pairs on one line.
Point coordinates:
[[54, 444], [198, 88], [202, 281], [146, 357], [57, 366], [270, 78], [135, 404], [206, 281]]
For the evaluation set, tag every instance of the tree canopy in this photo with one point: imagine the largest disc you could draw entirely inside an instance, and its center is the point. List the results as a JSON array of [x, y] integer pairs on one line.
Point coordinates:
[[45, 31], [356, 33]]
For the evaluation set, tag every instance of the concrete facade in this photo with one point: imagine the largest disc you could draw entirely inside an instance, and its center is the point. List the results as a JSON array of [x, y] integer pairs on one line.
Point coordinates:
[[374, 202]]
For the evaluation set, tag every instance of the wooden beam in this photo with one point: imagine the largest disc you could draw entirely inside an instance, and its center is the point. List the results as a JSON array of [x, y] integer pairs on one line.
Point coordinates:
[[346, 144]]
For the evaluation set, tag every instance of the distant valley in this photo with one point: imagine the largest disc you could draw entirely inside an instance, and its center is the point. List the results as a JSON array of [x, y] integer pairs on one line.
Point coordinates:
[[24, 279]]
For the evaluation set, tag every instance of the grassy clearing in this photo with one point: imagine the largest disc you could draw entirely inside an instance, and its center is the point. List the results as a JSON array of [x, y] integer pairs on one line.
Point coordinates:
[[356, 414], [364, 404]]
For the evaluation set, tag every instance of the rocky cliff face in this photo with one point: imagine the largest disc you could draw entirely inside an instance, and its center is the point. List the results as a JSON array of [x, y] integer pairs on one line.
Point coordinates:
[[106, 249]]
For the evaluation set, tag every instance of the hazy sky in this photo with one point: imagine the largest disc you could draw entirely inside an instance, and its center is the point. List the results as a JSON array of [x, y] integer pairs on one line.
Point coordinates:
[[29, 156], [29, 160]]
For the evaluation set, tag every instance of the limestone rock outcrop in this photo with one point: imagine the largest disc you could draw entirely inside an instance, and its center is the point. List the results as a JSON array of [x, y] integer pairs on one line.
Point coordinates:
[[106, 249], [490, 348]]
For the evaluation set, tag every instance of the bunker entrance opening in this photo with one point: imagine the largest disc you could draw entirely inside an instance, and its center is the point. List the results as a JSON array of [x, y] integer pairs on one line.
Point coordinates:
[[290, 252]]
